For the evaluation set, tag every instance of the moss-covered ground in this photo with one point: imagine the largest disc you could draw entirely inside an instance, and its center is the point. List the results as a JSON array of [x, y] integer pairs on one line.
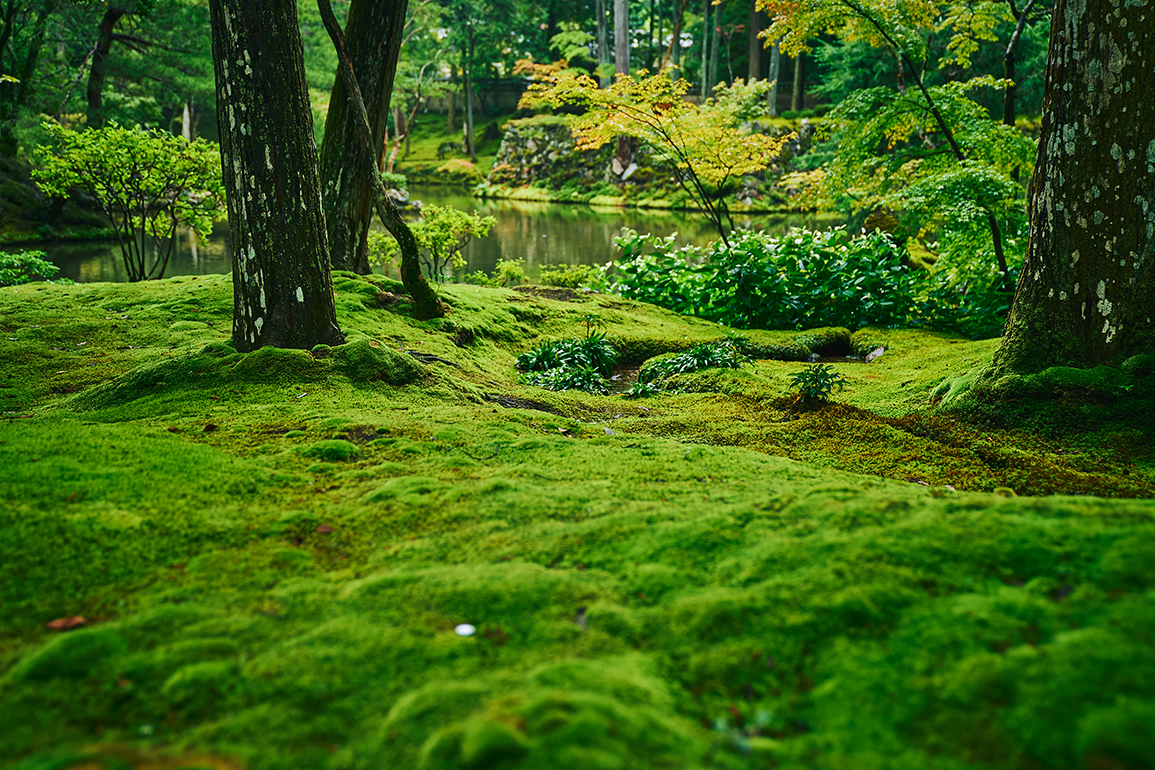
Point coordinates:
[[272, 551]]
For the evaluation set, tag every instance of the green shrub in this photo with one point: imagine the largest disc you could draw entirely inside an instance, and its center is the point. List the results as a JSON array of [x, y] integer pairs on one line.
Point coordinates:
[[508, 272]]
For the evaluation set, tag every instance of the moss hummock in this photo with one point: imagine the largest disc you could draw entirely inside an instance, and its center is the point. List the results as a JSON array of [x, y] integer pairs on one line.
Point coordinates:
[[272, 551]]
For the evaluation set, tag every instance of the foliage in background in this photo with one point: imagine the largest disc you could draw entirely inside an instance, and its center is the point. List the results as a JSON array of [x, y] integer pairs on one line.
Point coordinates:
[[27, 266], [148, 183], [442, 233], [808, 279], [710, 144]]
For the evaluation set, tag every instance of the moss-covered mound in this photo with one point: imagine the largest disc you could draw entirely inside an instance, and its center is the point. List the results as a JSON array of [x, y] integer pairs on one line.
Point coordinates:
[[392, 554]]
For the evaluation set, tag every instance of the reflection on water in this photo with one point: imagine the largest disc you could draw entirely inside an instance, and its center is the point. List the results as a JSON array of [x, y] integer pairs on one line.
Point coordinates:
[[539, 233]]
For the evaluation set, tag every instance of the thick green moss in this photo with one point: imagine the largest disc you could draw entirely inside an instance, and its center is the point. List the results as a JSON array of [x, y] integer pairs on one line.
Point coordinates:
[[273, 551]]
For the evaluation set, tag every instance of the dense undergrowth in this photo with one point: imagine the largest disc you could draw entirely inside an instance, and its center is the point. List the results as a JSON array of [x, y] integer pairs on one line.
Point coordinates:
[[272, 550]]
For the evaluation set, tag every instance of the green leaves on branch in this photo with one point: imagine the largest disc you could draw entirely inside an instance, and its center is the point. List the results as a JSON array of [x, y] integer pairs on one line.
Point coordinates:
[[148, 183], [26, 267]]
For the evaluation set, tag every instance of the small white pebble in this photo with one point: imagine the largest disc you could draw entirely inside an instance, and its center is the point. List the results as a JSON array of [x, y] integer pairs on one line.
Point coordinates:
[[465, 630]]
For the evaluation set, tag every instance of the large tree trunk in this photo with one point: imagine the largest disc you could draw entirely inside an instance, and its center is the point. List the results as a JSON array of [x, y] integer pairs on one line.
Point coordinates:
[[108, 22], [373, 34], [1086, 295], [282, 290], [621, 37]]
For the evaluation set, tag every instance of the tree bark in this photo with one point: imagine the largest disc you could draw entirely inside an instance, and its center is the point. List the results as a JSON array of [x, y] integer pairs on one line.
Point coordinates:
[[373, 34], [705, 74], [100, 51], [282, 289], [1085, 296]]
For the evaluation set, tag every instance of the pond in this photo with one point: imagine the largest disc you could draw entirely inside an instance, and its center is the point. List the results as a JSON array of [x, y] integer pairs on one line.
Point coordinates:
[[539, 233]]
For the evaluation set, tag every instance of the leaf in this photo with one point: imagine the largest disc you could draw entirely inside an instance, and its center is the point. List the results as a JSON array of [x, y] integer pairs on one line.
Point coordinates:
[[66, 624], [325, 529]]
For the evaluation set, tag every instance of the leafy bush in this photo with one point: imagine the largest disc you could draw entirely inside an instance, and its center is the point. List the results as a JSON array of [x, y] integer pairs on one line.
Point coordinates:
[[509, 272], [25, 267], [394, 181], [721, 354], [817, 383], [807, 279]]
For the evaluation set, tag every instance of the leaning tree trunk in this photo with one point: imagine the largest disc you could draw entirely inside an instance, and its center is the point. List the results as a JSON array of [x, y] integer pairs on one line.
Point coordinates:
[[282, 289], [373, 33], [1086, 295]]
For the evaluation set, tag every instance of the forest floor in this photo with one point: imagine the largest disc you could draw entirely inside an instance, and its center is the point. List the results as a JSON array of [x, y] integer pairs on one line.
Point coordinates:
[[271, 552]]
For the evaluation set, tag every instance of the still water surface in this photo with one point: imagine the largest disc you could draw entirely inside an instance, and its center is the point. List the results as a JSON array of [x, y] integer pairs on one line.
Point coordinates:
[[539, 233]]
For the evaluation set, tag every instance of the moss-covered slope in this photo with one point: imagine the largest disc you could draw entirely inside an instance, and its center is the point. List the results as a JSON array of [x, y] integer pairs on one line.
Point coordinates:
[[272, 551]]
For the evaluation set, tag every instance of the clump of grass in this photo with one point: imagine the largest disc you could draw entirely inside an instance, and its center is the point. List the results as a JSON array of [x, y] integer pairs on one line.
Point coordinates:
[[816, 384]]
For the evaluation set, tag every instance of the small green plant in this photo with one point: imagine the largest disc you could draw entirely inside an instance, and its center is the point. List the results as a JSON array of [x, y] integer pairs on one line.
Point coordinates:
[[25, 267], [817, 383], [582, 364], [585, 378], [592, 322]]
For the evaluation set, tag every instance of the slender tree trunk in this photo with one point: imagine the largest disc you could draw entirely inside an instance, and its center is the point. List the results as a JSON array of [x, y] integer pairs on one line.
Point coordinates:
[[1085, 296], [373, 33], [282, 290], [449, 129], [1009, 65], [108, 22], [603, 38], [796, 96], [772, 76], [754, 70], [715, 54], [469, 148], [705, 74], [621, 37]]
